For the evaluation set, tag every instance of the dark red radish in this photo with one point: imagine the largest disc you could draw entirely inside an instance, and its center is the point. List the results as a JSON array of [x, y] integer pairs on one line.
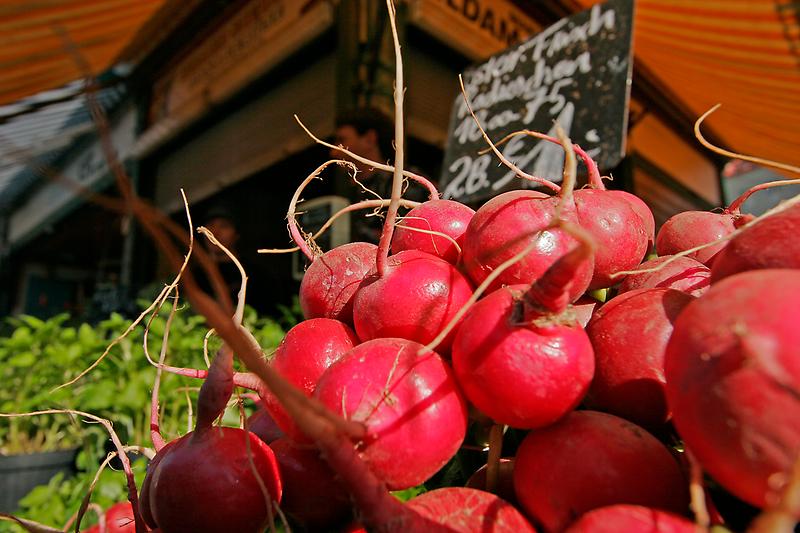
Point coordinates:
[[414, 414], [642, 210], [616, 228], [629, 335], [331, 281], [505, 480], [584, 308], [589, 460], [682, 273], [306, 351], [505, 225], [414, 299], [464, 510], [530, 338], [632, 519], [264, 426], [213, 478], [442, 216], [771, 242], [733, 381], [312, 496]]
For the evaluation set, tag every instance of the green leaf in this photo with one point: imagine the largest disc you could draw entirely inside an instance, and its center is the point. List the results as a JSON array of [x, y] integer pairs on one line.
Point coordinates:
[[22, 360]]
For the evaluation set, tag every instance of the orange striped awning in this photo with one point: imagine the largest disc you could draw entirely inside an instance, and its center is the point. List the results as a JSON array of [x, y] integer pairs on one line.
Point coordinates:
[[743, 54], [41, 41]]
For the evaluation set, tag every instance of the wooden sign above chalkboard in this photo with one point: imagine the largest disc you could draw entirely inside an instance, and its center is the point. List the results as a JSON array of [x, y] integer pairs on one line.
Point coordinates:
[[577, 73]]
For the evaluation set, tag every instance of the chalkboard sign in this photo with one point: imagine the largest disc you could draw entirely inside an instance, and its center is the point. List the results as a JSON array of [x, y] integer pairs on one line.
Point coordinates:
[[576, 72]]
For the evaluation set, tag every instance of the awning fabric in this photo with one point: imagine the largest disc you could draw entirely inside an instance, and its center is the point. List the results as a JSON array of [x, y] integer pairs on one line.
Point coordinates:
[[39, 38], [743, 54]]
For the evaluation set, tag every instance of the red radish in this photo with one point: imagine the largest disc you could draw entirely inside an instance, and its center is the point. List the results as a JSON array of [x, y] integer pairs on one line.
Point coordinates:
[[616, 228], [689, 229], [642, 210], [505, 225], [733, 381], [311, 494], [583, 309], [682, 273], [330, 282], [632, 519], [441, 216], [306, 351], [119, 518], [771, 242], [589, 460], [413, 411], [414, 299], [629, 335], [530, 339], [465, 510], [206, 480]]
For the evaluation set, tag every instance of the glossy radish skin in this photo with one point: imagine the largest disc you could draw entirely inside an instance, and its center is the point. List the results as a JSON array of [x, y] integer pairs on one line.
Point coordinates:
[[616, 228], [522, 372], [415, 299], [505, 225], [733, 380], [330, 282], [119, 518], [642, 210], [631, 519], [629, 335], [306, 351], [684, 274], [415, 416], [589, 460], [443, 216], [205, 483], [466, 510], [311, 494], [772, 242], [689, 229]]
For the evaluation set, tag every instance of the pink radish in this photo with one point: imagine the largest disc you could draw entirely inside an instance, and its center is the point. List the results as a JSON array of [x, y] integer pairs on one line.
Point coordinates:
[[682, 273], [629, 335], [505, 225], [733, 381], [465, 510], [632, 519], [589, 460], [306, 351], [312, 496], [527, 337], [407, 399], [616, 228], [689, 229], [206, 480], [442, 216], [414, 299], [642, 210], [332, 279], [771, 242]]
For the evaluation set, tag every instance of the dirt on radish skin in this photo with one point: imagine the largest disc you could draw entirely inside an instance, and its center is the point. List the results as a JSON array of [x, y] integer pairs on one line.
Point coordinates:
[[505, 225], [415, 416], [632, 519], [629, 335], [443, 216], [330, 282], [733, 380], [306, 351], [589, 460], [683, 273], [415, 299]]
